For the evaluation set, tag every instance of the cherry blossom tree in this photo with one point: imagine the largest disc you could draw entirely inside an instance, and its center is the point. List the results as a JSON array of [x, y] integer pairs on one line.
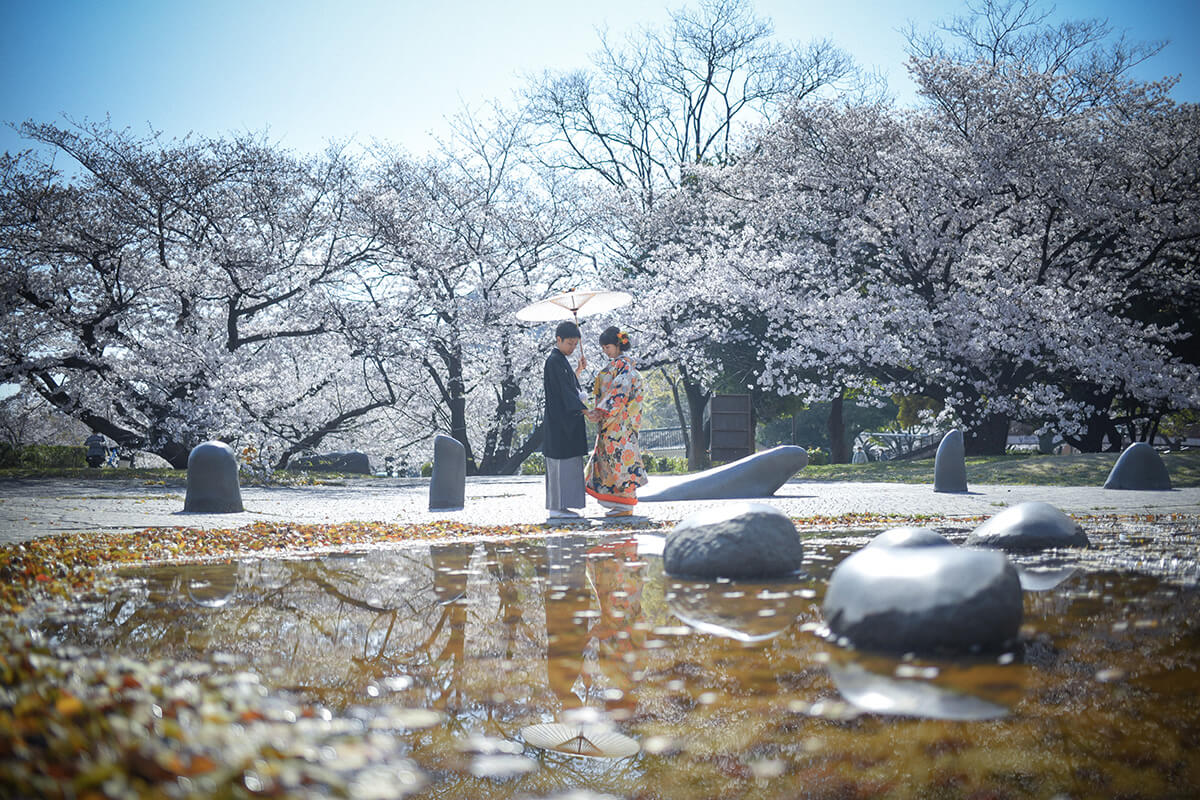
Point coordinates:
[[172, 291], [1024, 245], [466, 236], [649, 108]]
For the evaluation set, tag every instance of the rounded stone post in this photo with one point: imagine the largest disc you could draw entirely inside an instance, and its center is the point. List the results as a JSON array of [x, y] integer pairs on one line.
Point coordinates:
[[448, 486], [950, 464], [212, 480], [1140, 468]]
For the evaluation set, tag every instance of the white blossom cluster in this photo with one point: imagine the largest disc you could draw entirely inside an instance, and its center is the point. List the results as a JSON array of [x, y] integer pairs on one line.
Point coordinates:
[[1018, 248], [172, 292], [1023, 244]]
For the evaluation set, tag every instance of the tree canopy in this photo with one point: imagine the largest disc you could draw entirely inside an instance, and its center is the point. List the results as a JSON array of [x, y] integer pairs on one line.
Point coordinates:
[[1020, 245]]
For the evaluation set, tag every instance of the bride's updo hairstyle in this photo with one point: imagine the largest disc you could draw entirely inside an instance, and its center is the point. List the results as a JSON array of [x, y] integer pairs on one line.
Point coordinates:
[[613, 335]]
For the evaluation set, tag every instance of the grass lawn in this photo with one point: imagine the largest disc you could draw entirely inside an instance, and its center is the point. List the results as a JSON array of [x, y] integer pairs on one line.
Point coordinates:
[[160, 477], [1085, 469], [1082, 469]]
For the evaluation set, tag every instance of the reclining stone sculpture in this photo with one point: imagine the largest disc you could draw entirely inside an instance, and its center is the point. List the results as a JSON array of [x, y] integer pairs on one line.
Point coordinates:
[[757, 475]]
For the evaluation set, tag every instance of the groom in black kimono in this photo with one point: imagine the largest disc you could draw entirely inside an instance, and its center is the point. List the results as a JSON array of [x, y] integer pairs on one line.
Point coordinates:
[[564, 437]]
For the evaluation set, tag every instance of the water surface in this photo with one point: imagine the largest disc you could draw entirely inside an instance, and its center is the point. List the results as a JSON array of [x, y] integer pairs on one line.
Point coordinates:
[[456, 661]]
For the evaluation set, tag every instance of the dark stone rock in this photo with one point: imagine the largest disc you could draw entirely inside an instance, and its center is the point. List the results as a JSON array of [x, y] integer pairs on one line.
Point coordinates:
[[212, 480], [448, 486], [1139, 468], [352, 462], [950, 464], [744, 541], [924, 600], [1029, 526], [910, 537], [757, 475]]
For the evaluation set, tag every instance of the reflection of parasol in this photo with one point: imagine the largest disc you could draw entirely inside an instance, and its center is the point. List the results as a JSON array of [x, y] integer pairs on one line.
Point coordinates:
[[594, 741], [573, 304]]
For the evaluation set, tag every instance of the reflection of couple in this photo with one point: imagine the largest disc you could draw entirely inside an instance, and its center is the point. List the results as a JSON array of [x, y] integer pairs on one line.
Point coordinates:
[[615, 469], [609, 574]]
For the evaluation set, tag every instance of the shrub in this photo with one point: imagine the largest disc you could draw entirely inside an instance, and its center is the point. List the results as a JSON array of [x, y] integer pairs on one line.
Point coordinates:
[[660, 464], [534, 465], [43, 456], [427, 469], [817, 456]]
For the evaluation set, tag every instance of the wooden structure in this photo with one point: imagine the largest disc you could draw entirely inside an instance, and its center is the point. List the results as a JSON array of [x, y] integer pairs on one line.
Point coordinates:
[[731, 418]]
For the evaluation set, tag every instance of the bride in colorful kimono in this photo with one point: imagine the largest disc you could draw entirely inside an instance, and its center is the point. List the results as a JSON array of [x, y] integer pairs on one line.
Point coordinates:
[[615, 470]]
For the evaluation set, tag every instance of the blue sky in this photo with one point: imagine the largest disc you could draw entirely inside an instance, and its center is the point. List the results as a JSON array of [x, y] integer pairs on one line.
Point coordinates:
[[309, 71]]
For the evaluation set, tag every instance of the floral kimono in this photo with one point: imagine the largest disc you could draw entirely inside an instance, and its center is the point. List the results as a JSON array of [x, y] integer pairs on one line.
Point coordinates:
[[615, 469]]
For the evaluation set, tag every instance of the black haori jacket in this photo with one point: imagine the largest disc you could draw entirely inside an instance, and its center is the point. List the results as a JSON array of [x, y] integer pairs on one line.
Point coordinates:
[[564, 432]]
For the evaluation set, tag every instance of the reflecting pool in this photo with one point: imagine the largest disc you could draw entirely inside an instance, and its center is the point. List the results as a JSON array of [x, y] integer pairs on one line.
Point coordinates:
[[533, 667]]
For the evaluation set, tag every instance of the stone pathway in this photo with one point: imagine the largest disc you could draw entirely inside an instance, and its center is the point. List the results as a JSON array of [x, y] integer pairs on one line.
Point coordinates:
[[32, 508]]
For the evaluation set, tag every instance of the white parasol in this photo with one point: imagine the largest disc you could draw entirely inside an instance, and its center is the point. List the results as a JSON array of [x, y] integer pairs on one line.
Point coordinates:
[[573, 304]]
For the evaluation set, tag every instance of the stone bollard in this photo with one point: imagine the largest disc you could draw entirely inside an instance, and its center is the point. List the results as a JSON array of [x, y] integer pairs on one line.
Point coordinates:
[[950, 464], [448, 486], [1140, 468], [212, 480]]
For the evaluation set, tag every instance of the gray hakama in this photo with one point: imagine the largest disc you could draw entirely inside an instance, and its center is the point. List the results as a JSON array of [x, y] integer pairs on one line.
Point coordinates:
[[564, 483]]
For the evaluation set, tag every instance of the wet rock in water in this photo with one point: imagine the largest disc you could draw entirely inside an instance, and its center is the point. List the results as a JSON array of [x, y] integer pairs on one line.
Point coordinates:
[[1139, 468], [924, 600], [739, 540], [886, 694], [950, 464], [1029, 526], [212, 480], [757, 475], [448, 486], [910, 537], [744, 617], [1043, 579]]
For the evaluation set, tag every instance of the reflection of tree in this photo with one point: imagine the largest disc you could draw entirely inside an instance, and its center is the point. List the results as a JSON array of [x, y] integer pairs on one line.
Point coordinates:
[[503, 562], [567, 601], [449, 585]]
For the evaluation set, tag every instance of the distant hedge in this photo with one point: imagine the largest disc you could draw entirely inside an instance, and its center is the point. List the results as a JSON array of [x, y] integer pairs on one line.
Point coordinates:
[[42, 456]]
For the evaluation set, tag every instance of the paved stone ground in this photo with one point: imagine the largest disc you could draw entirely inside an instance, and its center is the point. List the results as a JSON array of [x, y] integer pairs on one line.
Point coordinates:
[[32, 508]]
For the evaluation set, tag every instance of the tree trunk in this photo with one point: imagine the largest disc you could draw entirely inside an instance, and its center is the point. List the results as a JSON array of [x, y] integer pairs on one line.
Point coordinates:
[[518, 456], [1099, 425], [989, 437], [175, 454], [458, 421], [683, 422], [1099, 428], [1115, 442], [498, 444], [697, 398], [839, 451], [454, 395]]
